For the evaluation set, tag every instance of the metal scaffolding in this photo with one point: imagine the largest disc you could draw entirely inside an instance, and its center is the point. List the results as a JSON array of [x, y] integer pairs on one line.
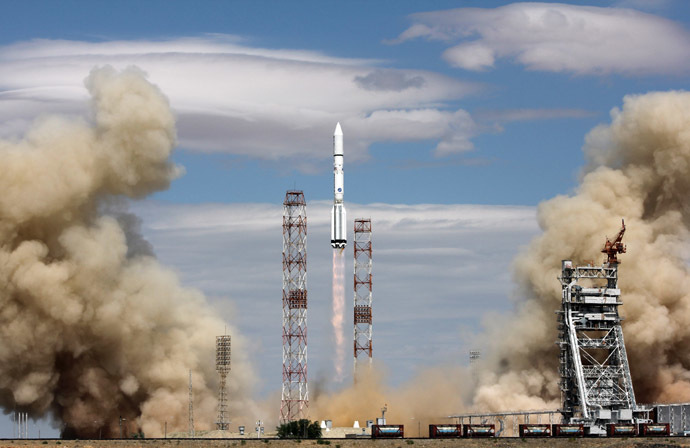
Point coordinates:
[[596, 387], [295, 394], [362, 287], [223, 354]]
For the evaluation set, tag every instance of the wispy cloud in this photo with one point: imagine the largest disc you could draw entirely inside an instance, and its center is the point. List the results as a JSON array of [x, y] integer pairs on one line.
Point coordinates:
[[412, 164], [556, 37], [511, 115], [230, 97], [381, 80]]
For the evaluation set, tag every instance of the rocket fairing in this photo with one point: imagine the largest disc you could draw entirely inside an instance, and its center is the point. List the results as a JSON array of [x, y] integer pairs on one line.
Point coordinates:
[[338, 216]]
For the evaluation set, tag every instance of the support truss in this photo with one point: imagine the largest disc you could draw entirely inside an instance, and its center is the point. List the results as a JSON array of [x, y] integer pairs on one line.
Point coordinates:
[[596, 386], [295, 395], [362, 287]]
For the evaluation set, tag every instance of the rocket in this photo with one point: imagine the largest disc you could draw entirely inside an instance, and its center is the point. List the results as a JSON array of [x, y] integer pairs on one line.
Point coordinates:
[[338, 218]]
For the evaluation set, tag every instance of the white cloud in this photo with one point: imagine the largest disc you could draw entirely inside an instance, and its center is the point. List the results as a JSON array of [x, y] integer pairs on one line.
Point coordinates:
[[495, 119], [510, 115], [445, 264], [231, 97], [557, 37]]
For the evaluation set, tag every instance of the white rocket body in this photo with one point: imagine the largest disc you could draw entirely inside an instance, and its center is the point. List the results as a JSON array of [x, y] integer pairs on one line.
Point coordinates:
[[338, 216]]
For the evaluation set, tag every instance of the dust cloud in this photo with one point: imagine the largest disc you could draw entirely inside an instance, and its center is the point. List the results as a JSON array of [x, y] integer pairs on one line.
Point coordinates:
[[638, 169], [95, 327], [426, 399]]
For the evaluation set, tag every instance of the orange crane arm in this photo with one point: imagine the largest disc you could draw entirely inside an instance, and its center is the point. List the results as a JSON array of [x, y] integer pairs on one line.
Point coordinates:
[[615, 247]]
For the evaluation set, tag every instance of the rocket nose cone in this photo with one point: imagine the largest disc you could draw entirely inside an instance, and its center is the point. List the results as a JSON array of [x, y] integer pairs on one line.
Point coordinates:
[[338, 129]]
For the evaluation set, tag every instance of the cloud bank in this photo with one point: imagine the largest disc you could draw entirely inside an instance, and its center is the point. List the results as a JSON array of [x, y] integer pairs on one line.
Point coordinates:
[[234, 98], [553, 37]]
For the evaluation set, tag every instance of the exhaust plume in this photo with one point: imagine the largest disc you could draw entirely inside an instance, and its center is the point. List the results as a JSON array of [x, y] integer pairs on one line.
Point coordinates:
[[638, 169], [95, 327], [339, 311], [426, 399]]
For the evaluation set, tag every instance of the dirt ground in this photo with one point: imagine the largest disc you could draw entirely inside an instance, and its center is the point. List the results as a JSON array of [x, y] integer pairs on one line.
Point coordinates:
[[353, 443]]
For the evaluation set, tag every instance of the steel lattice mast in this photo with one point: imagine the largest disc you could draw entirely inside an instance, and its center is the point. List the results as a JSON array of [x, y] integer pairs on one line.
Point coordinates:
[[596, 386], [223, 354], [295, 394], [362, 288]]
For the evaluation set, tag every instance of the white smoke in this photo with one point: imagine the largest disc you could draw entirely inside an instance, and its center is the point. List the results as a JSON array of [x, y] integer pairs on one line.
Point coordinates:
[[339, 311]]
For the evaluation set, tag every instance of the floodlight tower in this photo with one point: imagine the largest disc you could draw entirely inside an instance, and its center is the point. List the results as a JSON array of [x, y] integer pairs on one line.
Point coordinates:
[[223, 352], [362, 288], [596, 386], [295, 394]]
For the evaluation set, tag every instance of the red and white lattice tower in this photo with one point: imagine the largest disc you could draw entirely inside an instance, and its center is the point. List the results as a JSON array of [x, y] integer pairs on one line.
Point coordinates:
[[295, 395], [362, 316]]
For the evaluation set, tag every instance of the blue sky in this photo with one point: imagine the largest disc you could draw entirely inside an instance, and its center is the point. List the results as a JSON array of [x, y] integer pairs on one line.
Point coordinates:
[[504, 152], [475, 106]]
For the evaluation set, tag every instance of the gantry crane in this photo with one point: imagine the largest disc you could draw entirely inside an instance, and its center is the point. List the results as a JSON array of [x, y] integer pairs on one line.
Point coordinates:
[[615, 247], [596, 385]]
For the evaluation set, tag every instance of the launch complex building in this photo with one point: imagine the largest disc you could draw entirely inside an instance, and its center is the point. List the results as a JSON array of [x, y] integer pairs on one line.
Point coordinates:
[[596, 387]]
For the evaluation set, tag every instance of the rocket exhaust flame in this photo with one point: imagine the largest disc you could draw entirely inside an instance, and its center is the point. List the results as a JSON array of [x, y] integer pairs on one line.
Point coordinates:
[[339, 311]]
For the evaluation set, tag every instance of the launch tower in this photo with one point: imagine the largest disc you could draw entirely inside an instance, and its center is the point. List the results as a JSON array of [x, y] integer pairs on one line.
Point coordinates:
[[362, 316], [223, 352], [596, 386], [295, 395]]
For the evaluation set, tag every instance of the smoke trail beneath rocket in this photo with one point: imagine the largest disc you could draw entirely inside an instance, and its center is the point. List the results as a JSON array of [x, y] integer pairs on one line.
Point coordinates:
[[339, 311]]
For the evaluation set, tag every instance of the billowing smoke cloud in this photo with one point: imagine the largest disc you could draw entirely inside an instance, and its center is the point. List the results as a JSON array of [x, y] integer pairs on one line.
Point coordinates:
[[426, 399], [638, 169], [93, 327]]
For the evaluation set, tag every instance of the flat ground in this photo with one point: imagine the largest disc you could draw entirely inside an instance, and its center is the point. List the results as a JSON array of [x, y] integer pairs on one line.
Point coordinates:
[[350, 443]]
